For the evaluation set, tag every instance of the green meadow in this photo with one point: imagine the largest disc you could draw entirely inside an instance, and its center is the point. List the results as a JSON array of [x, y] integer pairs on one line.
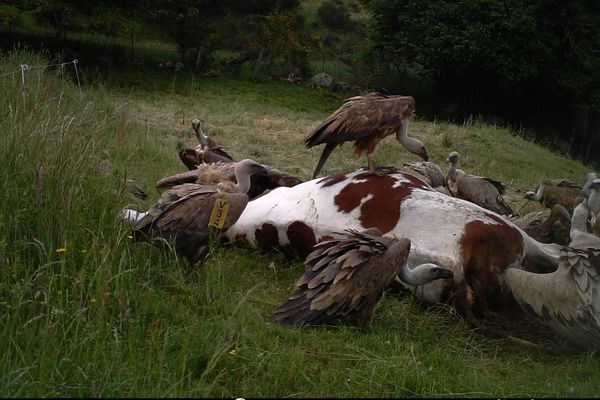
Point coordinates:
[[85, 312]]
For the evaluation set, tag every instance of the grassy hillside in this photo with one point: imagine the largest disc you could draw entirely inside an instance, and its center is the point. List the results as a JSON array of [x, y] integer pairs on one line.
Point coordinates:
[[85, 312]]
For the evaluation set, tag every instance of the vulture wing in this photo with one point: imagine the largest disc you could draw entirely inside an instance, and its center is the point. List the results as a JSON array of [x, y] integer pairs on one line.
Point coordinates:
[[568, 299], [482, 192], [427, 171], [183, 213], [344, 278], [560, 183], [362, 116]]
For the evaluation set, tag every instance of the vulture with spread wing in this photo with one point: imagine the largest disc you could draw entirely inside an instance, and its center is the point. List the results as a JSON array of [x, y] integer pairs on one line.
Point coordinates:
[[366, 120], [206, 152], [567, 299], [485, 192], [345, 278]]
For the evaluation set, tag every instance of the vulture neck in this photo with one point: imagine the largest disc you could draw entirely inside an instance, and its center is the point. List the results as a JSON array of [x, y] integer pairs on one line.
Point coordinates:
[[413, 145], [202, 138], [452, 169], [539, 194], [421, 274], [588, 182], [594, 200], [579, 221], [243, 180]]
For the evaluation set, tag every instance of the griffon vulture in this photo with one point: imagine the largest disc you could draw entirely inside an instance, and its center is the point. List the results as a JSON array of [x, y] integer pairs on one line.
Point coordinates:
[[567, 299], [206, 152], [589, 178], [183, 212], [580, 235], [594, 198], [345, 278], [556, 191], [484, 192], [225, 172], [553, 227], [366, 120]]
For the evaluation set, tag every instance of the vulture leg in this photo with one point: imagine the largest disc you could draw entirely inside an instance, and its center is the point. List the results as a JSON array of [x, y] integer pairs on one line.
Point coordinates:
[[326, 152], [372, 169]]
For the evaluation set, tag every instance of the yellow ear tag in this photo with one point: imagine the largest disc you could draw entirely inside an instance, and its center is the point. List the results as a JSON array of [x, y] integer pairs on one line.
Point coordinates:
[[219, 213]]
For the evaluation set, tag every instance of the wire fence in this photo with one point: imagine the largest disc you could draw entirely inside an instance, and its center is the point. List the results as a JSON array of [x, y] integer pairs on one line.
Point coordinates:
[[23, 68]]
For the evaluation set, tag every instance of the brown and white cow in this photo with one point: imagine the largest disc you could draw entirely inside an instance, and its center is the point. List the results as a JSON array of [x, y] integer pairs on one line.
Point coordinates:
[[478, 245]]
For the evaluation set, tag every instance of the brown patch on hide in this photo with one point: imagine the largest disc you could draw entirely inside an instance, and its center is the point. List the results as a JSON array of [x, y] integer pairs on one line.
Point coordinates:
[[267, 237], [240, 240], [332, 180], [488, 250], [382, 210], [301, 237]]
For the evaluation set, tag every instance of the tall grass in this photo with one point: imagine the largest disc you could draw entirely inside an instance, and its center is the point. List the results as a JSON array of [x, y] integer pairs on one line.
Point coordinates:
[[84, 312]]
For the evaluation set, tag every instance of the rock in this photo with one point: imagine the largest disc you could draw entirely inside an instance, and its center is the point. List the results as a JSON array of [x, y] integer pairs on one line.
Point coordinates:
[[323, 80]]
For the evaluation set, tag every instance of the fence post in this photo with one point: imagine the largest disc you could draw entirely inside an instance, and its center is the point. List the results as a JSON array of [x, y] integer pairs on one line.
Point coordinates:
[[579, 128]]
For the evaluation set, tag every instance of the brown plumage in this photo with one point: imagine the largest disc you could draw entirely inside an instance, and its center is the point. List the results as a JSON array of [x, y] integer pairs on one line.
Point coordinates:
[[556, 191], [192, 158], [567, 299], [220, 172], [553, 227], [205, 152], [345, 278], [485, 192], [182, 214], [366, 120], [207, 143], [427, 171]]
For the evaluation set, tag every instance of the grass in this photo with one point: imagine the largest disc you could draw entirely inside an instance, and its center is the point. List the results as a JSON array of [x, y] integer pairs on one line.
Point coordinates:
[[85, 312]]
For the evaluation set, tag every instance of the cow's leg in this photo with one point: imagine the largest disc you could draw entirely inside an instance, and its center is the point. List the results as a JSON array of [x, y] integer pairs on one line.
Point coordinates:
[[463, 299]]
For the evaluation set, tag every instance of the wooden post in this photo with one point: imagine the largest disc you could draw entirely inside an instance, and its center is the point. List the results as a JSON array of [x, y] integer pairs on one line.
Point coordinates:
[[579, 128], [131, 34], [198, 58], [592, 150]]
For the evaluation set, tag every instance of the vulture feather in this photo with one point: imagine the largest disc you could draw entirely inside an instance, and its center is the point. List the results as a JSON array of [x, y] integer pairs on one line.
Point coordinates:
[[349, 285], [428, 172], [225, 172], [182, 214], [206, 152], [485, 192], [594, 198], [580, 235], [589, 179], [556, 191], [366, 120], [546, 227], [567, 299]]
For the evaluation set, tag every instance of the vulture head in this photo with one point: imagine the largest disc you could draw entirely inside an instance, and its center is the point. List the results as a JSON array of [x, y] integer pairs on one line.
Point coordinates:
[[453, 158]]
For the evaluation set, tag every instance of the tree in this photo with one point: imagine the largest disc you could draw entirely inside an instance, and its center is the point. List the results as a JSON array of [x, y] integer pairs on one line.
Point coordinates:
[[276, 39], [511, 56]]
